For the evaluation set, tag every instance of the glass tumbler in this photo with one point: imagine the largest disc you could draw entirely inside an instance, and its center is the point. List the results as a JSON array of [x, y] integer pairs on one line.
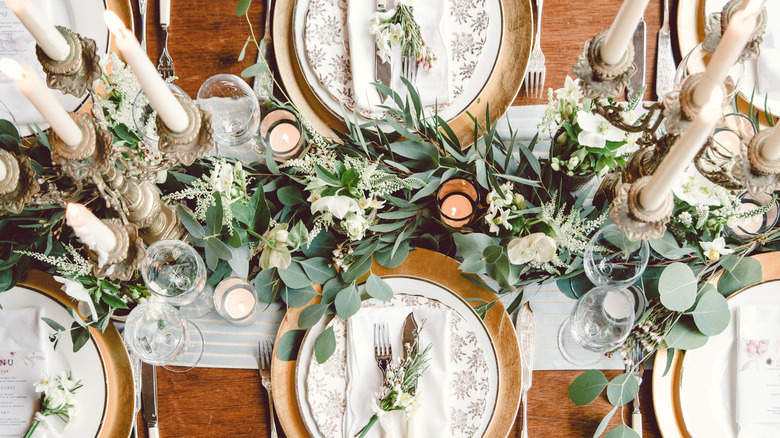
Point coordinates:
[[611, 258], [235, 112]]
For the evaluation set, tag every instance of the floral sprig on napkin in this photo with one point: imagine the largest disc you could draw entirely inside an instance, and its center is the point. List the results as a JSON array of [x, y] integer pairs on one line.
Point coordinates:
[[399, 29], [398, 390], [58, 395]]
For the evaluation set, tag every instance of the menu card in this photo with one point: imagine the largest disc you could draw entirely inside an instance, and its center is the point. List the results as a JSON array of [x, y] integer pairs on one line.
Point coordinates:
[[15, 41], [21, 366], [758, 370]]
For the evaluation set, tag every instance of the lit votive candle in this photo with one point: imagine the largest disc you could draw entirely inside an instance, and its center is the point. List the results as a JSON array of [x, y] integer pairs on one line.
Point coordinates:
[[758, 224], [282, 132], [236, 301], [457, 199]]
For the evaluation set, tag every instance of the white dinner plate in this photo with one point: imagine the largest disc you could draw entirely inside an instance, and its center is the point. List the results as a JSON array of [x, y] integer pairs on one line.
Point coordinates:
[[749, 74], [707, 383], [84, 17], [469, 94], [85, 365], [413, 287]]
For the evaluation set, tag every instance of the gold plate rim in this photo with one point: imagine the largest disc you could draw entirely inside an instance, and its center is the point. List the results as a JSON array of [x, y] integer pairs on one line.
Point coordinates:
[[666, 389], [436, 267], [498, 92]]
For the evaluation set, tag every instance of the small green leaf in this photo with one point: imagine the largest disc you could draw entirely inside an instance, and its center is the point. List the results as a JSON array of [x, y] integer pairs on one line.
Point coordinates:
[[219, 248], [347, 302], [266, 285], [287, 348], [711, 313], [290, 196], [387, 259], [492, 253], [677, 287], [469, 244], [113, 301], [746, 273], [331, 289], [685, 336], [378, 288], [298, 297], [242, 7], [311, 314], [79, 335], [53, 324], [622, 431], [190, 223], [587, 387], [318, 269], [668, 247], [215, 215], [325, 345], [358, 269], [294, 276], [622, 389], [605, 422], [262, 215]]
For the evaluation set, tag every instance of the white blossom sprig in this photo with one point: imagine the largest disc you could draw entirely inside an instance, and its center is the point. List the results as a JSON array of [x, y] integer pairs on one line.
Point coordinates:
[[58, 398], [400, 30]]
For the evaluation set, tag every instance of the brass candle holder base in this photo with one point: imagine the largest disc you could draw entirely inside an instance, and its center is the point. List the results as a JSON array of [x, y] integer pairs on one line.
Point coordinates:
[[88, 158], [79, 71], [718, 174], [758, 175], [718, 22], [123, 261], [19, 185], [193, 142], [601, 80], [679, 107], [636, 222]]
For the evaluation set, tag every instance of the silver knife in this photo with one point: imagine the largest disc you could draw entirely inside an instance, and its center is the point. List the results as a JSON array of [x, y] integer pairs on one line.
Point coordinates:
[[665, 66], [526, 331], [149, 398], [142, 10], [408, 336], [263, 84], [637, 81], [382, 70]]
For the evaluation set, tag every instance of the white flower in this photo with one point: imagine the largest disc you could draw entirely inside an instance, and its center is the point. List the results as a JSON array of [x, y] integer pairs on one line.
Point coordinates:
[[374, 28], [713, 250], [537, 247], [314, 195], [338, 206], [46, 384], [596, 130], [376, 204], [383, 49], [276, 254], [66, 382], [356, 226], [75, 290], [364, 203], [396, 33], [496, 218], [694, 189], [571, 90], [573, 162], [56, 398]]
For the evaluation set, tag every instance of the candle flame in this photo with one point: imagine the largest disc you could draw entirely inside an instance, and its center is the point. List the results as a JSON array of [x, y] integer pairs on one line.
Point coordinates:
[[114, 23], [454, 210], [76, 215], [285, 138], [753, 6], [11, 68]]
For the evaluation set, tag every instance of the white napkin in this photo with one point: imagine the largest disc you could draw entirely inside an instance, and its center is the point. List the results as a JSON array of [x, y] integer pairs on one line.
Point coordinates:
[[20, 330], [433, 84], [758, 371], [364, 379], [768, 64]]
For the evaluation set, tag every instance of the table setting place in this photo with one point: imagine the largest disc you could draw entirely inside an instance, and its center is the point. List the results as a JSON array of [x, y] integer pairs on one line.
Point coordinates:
[[358, 215]]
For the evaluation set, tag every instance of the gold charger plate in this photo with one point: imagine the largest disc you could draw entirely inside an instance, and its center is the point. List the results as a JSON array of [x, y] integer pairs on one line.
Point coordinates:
[[439, 269], [666, 389], [499, 90], [120, 390]]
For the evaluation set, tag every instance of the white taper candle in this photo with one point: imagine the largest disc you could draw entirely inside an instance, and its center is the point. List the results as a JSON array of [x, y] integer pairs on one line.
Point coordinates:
[[46, 35], [622, 30], [94, 233]]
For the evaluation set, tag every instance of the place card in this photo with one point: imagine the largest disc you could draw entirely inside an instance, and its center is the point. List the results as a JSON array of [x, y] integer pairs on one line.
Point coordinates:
[[758, 370], [19, 371], [15, 41]]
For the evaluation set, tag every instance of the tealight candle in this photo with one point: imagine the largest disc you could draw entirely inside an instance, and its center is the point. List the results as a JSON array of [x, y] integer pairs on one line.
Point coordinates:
[[33, 88], [156, 89], [622, 31], [236, 301], [282, 132], [91, 230], [759, 224], [457, 200], [46, 35], [283, 138]]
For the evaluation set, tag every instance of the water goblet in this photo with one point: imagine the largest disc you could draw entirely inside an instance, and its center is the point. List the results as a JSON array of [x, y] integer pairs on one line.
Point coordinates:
[[235, 112], [175, 272], [159, 335], [145, 116], [612, 259], [600, 321]]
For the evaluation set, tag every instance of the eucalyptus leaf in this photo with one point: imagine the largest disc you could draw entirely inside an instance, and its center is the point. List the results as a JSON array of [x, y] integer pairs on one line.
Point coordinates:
[[622, 431], [311, 314], [711, 313], [668, 247], [239, 261], [492, 253], [266, 285], [215, 215], [622, 389], [387, 259], [298, 297], [294, 276], [587, 387], [473, 264], [262, 216], [318, 269], [219, 248], [290, 195], [347, 302], [677, 286], [79, 335], [53, 324], [289, 344], [254, 70], [325, 345], [331, 288], [605, 422], [745, 273], [685, 336], [474, 243], [358, 269], [190, 223], [378, 288]]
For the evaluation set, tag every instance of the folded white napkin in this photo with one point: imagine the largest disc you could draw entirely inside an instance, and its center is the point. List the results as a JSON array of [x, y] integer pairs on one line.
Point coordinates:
[[433, 84], [21, 330], [364, 379], [758, 371], [768, 64]]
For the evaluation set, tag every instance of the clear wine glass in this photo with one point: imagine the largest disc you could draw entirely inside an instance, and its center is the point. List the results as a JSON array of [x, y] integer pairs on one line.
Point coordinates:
[[612, 259], [235, 112], [600, 321], [175, 272], [145, 116], [159, 335]]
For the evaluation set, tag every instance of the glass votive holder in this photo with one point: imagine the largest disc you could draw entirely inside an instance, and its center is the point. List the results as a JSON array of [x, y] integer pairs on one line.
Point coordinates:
[[756, 225], [236, 301], [235, 112], [281, 131], [145, 116], [457, 201]]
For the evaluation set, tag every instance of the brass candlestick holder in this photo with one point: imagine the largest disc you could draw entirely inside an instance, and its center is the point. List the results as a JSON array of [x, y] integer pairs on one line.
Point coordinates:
[[79, 71], [718, 22], [126, 257], [633, 220], [752, 170], [601, 80], [87, 159], [679, 106], [19, 185], [193, 142]]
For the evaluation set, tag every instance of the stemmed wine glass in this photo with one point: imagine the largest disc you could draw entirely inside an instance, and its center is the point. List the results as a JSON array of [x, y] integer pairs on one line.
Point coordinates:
[[174, 271], [158, 334], [612, 259]]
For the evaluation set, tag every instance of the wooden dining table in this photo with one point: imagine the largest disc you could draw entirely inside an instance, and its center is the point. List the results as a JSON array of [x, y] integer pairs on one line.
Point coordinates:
[[206, 38]]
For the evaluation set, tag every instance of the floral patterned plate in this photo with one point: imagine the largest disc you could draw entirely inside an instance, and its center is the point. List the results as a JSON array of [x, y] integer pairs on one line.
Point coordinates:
[[321, 389], [321, 43]]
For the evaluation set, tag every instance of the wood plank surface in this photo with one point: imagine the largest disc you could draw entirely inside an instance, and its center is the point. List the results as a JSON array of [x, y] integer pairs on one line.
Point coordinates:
[[206, 39]]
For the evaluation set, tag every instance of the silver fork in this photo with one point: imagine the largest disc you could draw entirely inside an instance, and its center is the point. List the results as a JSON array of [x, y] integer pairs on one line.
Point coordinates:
[[165, 64], [409, 69], [383, 352], [536, 73], [265, 350], [142, 11], [637, 369]]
